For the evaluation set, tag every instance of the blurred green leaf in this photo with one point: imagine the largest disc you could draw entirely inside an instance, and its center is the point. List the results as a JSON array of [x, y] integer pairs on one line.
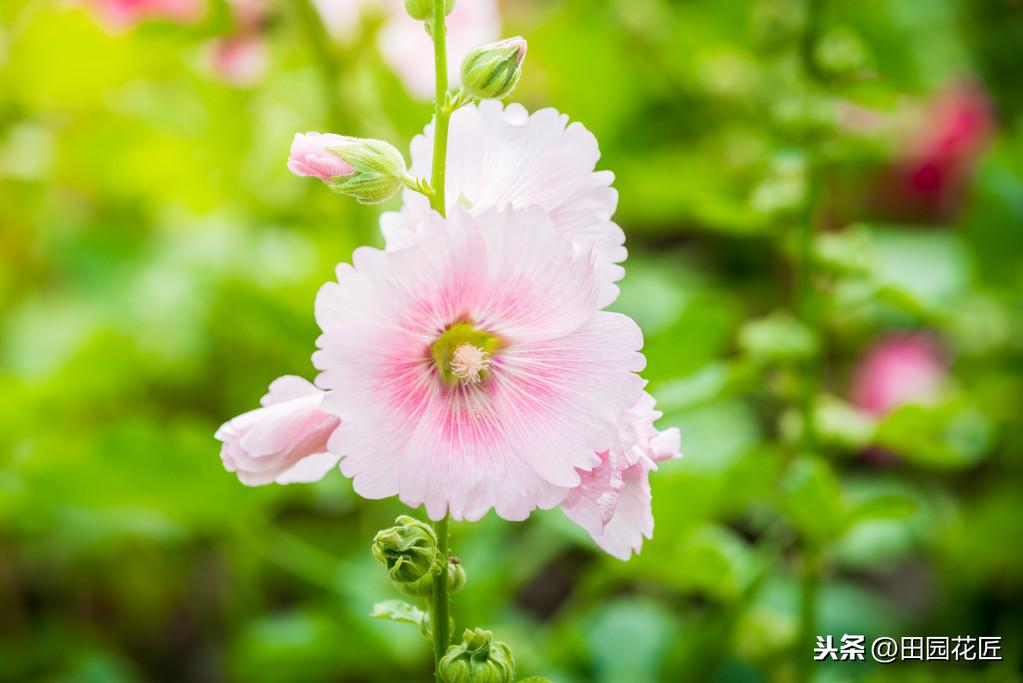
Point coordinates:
[[777, 338], [812, 499], [400, 611]]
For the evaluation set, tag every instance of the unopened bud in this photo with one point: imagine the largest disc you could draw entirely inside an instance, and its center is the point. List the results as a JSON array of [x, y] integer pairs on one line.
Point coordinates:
[[310, 157], [456, 575], [408, 550], [423, 588], [477, 659], [422, 10], [371, 171], [492, 71]]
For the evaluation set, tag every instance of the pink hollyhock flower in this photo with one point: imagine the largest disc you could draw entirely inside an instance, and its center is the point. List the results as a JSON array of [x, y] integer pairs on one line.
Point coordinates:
[[311, 157], [503, 157], [403, 42], [473, 370], [898, 370], [613, 501], [122, 14], [285, 441]]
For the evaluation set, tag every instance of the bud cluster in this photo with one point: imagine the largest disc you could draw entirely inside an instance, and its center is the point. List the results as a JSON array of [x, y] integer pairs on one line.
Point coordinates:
[[409, 552], [477, 659]]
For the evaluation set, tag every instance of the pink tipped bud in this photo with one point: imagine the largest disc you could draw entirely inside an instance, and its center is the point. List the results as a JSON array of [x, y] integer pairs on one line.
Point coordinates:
[[491, 72], [311, 156]]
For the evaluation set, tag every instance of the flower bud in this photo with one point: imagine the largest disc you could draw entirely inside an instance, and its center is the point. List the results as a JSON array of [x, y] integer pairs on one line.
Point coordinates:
[[456, 575], [477, 659], [310, 157], [371, 171], [422, 10], [423, 588], [409, 551], [492, 71]]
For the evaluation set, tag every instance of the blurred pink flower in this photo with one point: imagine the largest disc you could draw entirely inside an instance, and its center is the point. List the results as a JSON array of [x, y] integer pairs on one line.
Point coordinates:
[[241, 59], [249, 15], [311, 157], [341, 17], [403, 41], [938, 162], [898, 370], [122, 14], [473, 370], [613, 501], [285, 441], [504, 157]]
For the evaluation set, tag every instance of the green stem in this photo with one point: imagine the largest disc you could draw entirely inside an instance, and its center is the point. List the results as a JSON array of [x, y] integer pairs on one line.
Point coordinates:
[[806, 309], [809, 590], [441, 112], [806, 306], [440, 605]]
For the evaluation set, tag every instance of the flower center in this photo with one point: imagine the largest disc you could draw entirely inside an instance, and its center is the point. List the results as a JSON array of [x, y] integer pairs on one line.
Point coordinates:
[[468, 362], [463, 354]]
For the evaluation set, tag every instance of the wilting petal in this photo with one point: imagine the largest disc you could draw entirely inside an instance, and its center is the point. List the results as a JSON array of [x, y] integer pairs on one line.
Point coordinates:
[[612, 503]]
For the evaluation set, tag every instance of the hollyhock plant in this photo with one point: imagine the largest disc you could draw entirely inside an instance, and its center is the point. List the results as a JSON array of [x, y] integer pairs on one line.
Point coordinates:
[[612, 502], [473, 370], [504, 157], [285, 441], [469, 366], [900, 369], [122, 14]]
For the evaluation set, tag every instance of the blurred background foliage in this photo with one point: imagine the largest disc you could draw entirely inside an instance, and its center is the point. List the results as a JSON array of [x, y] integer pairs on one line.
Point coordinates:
[[805, 186]]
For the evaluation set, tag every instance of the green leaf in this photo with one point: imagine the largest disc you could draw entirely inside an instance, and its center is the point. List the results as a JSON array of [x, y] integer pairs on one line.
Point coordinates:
[[401, 611], [883, 506], [952, 435], [812, 500], [777, 338]]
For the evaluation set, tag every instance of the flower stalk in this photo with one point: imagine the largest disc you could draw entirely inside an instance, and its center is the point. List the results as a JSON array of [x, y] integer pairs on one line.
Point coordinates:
[[440, 605], [441, 112]]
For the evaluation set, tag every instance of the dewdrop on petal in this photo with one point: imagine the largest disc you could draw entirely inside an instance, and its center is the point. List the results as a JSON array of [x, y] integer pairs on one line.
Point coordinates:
[[491, 72]]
